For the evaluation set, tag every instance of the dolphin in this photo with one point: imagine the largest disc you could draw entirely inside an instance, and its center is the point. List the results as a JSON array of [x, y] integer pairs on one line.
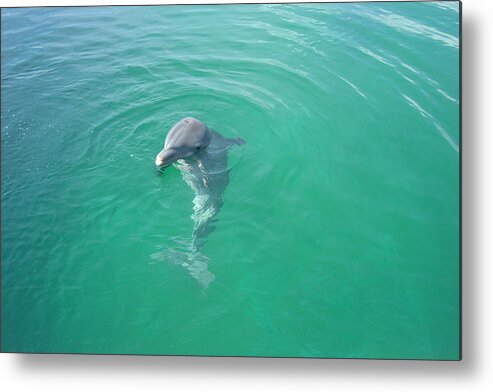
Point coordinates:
[[201, 155]]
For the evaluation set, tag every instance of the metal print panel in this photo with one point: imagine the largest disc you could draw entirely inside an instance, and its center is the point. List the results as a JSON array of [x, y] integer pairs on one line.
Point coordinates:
[[277, 180]]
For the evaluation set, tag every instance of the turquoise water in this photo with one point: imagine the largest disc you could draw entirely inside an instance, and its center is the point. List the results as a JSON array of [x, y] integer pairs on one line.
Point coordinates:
[[339, 230]]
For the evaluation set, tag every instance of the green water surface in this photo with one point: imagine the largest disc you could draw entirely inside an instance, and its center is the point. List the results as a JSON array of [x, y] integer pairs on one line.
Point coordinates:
[[339, 232]]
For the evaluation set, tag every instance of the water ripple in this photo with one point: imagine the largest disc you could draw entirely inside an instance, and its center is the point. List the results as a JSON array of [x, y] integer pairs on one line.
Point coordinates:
[[427, 115], [410, 26]]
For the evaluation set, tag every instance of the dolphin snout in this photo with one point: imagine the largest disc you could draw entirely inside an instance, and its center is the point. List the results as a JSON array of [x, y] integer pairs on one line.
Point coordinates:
[[160, 165]]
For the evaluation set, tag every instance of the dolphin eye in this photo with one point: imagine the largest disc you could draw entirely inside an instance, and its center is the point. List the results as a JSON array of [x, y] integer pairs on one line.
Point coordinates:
[[198, 147]]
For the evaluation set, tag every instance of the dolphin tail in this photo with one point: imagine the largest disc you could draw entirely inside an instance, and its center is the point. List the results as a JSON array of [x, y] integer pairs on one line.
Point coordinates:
[[193, 261], [197, 266]]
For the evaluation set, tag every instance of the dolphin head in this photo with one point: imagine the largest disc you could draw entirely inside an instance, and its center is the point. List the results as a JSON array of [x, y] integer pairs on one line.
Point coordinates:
[[188, 137]]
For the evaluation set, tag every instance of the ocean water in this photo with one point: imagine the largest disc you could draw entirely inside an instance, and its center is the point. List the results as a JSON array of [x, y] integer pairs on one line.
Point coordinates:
[[338, 234]]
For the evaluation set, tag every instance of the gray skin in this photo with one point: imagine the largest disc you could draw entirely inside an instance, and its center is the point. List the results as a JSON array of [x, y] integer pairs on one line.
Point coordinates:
[[201, 155]]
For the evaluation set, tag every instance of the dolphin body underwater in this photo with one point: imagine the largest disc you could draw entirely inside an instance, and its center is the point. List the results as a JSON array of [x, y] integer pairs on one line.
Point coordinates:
[[201, 155]]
